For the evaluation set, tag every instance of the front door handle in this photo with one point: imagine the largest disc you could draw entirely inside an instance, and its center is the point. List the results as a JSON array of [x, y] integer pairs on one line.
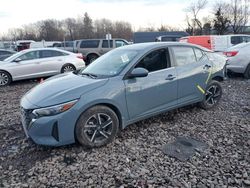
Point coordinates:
[[207, 66], [170, 77]]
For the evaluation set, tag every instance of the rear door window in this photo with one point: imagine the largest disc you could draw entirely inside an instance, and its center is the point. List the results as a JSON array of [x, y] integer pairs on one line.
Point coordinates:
[[89, 44], [105, 44], [184, 55], [198, 54], [50, 53]]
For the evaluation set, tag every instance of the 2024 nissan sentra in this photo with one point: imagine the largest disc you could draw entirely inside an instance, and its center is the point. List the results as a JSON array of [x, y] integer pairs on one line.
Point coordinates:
[[34, 63], [123, 86]]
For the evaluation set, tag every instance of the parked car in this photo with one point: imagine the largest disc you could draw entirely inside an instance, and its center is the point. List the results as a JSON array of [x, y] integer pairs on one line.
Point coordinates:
[[91, 49], [217, 43], [35, 63], [123, 86], [239, 59], [23, 44], [67, 45], [44, 44], [5, 53]]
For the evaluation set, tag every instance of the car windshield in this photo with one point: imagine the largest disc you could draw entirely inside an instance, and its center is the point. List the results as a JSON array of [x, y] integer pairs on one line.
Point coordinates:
[[110, 64]]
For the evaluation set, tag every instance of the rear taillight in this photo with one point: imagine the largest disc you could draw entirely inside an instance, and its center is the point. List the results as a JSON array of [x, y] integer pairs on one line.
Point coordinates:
[[79, 56], [230, 54]]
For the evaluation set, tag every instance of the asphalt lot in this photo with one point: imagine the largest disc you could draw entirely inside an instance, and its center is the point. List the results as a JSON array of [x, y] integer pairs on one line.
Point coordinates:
[[135, 158]]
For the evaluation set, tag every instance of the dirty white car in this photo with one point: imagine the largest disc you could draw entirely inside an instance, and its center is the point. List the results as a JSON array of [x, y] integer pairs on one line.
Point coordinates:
[[239, 59]]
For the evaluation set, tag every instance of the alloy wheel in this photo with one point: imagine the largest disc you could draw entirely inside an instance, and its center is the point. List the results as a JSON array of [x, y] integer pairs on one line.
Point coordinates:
[[68, 68], [213, 94], [98, 128], [4, 79]]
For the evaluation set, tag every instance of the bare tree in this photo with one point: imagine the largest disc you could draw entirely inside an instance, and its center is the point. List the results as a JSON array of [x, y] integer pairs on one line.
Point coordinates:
[[167, 28], [122, 29], [71, 29], [193, 21], [221, 21], [87, 26], [238, 13], [70, 26], [50, 30]]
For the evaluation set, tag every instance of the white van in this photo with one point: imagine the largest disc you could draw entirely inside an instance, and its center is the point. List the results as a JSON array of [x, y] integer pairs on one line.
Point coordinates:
[[43, 44], [217, 43]]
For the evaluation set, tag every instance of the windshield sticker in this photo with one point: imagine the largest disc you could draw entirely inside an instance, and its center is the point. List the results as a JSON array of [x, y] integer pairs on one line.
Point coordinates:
[[125, 58]]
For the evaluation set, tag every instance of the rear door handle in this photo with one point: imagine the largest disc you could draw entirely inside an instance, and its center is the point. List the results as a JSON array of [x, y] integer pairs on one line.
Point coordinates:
[[170, 77], [207, 66]]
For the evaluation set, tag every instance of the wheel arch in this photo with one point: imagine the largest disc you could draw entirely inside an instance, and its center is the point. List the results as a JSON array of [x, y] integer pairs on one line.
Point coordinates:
[[218, 78], [7, 73], [66, 65], [109, 105], [92, 53]]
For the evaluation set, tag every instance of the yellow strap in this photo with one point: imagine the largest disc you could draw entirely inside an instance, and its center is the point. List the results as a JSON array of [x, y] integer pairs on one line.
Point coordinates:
[[201, 89]]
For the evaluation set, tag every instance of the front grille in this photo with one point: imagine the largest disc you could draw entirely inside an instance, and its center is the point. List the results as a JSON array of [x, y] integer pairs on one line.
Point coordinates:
[[26, 116]]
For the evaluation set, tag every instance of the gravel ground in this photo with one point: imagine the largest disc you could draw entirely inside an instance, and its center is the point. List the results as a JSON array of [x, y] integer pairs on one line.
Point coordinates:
[[135, 158]]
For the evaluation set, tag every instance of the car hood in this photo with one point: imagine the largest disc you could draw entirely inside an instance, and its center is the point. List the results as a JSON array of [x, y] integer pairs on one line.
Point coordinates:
[[61, 88]]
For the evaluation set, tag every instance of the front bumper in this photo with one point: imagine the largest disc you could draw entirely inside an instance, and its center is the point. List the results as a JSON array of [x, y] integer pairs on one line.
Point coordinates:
[[54, 130]]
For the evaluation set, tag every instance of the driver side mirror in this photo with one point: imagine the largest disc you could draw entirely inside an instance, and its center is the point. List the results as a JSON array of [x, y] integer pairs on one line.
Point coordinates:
[[17, 60], [138, 72]]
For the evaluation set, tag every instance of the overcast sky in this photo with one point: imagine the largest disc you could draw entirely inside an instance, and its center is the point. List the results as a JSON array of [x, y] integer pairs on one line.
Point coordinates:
[[140, 13]]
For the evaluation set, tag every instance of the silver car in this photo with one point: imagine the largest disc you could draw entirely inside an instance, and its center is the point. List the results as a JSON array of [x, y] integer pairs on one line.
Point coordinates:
[[34, 63], [239, 59]]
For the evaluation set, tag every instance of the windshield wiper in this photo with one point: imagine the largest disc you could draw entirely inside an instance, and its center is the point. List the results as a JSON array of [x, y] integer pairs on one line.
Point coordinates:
[[90, 75]]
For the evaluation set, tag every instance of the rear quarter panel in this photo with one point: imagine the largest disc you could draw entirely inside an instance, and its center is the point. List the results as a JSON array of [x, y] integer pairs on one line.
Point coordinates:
[[219, 62]]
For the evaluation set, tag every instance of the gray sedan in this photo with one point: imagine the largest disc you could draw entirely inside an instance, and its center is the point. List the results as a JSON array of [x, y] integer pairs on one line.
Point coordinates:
[[123, 86], [35, 63]]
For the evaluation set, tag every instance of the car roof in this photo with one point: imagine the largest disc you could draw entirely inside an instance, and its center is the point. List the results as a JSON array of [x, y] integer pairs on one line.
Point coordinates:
[[101, 39], [152, 45], [48, 48]]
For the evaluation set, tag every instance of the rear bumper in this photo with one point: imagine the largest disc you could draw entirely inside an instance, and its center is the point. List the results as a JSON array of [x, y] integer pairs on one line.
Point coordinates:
[[236, 68]]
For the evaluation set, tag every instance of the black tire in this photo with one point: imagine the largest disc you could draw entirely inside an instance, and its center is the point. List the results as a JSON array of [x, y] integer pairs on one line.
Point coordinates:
[[247, 72], [97, 127], [91, 58], [68, 68], [212, 95], [5, 78]]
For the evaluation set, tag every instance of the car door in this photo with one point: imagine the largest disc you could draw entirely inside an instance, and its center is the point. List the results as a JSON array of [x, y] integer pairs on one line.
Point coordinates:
[[25, 65], [157, 91], [51, 62], [193, 71], [106, 46]]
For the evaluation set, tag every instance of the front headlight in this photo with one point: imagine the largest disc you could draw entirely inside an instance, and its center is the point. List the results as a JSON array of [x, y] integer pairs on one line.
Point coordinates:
[[53, 110]]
